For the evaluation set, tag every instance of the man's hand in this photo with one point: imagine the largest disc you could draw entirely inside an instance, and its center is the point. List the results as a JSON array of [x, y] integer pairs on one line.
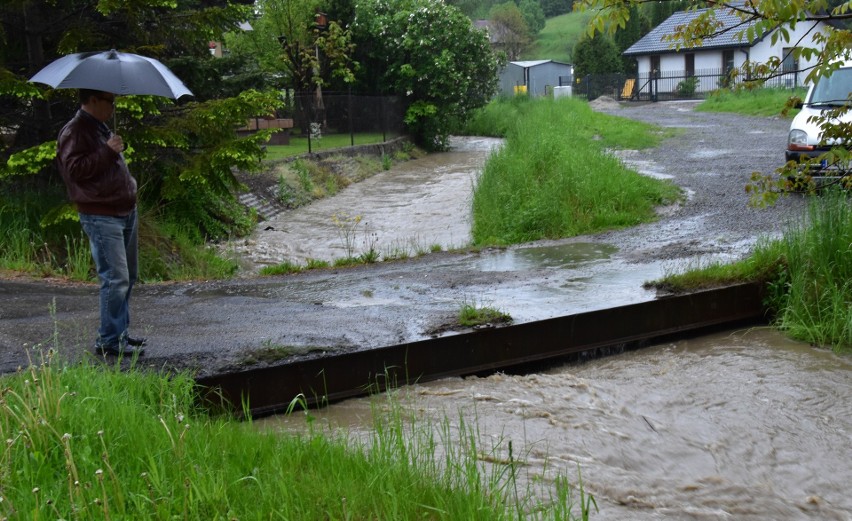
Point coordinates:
[[116, 143]]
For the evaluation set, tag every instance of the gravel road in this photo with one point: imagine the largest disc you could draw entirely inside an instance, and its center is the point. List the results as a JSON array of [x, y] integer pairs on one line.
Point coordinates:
[[712, 158], [213, 327]]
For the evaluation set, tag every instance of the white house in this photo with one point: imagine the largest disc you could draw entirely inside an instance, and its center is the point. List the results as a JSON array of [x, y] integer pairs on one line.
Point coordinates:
[[710, 62]]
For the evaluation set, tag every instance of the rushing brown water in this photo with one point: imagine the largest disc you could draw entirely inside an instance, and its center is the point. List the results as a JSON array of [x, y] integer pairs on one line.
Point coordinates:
[[421, 204], [743, 425], [737, 426]]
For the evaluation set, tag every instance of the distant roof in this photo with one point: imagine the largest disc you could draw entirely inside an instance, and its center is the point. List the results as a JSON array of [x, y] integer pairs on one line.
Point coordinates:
[[653, 43], [532, 63]]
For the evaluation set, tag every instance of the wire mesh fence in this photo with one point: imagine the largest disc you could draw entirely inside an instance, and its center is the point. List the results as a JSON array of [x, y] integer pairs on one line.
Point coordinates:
[[330, 120]]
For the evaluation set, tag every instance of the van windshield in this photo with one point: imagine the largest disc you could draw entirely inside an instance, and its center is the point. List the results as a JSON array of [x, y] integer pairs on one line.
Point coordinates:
[[834, 89]]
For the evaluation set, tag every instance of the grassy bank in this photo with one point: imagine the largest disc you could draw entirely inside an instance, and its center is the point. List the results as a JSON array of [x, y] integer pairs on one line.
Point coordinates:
[[89, 442], [808, 273], [299, 145], [813, 288], [61, 249], [757, 102], [554, 178], [556, 41]]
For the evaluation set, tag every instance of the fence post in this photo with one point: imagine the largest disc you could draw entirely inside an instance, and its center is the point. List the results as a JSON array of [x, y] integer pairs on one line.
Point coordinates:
[[351, 129], [383, 116], [654, 86]]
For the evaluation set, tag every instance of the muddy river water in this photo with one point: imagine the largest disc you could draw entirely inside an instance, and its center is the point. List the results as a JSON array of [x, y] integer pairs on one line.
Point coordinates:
[[741, 425], [418, 206]]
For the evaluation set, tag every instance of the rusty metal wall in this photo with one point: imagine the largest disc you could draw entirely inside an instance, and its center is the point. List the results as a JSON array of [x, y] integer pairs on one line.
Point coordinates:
[[329, 379]]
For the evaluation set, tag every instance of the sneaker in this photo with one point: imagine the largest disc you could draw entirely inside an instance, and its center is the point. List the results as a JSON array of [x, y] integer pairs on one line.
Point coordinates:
[[136, 341], [118, 350]]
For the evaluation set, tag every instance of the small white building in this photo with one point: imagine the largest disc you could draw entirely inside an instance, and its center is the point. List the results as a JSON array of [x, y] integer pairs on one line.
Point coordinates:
[[534, 77], [663, 69]]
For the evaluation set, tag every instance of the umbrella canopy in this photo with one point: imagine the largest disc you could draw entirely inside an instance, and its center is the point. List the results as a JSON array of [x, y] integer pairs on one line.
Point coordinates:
[[120, 73]]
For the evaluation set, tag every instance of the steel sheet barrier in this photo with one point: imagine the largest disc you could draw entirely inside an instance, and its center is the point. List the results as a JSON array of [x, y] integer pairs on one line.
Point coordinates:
[[324, 380]]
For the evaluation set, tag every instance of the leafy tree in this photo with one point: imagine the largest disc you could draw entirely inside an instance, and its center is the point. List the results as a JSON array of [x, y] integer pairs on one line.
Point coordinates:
[[596, 55], [183, 153], [553, 8], [533, 16], [637, 26], [509, 29], [763, 17], [657, 12], [430, 54], [289, 43]]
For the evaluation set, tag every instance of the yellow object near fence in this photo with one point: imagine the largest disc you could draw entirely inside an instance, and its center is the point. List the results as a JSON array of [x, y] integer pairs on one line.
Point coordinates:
[[520, 89], [627, 91]]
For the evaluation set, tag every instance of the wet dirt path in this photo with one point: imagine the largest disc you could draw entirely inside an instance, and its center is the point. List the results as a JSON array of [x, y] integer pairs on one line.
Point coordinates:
[[217, 326]]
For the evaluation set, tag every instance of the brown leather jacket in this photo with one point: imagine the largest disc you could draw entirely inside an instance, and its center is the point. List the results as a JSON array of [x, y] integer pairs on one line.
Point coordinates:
[[96, 177]]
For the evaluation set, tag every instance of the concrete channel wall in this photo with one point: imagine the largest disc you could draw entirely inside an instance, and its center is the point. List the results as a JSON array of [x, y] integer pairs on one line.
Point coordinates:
[[510, 348]]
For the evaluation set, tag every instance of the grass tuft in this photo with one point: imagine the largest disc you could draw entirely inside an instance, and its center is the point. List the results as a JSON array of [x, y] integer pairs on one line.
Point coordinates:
[[472, 314]]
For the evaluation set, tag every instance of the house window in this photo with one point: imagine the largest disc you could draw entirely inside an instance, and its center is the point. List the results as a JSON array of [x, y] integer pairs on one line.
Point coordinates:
[[689, 64], [655, 66], [727, 62], [789, 63]]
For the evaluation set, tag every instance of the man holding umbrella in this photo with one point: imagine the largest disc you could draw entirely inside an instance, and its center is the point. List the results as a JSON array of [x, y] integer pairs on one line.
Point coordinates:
[[100, 186]]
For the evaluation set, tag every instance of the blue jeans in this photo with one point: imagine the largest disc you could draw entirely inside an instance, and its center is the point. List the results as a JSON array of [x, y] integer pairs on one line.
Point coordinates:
[[114, 245]]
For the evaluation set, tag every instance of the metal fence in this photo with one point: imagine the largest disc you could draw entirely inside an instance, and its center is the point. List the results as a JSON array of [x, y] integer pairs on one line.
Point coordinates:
[[667, 85], [318, 115]]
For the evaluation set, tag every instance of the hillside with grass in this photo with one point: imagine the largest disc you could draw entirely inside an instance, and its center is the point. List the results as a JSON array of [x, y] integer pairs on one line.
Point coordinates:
[[556, 41]]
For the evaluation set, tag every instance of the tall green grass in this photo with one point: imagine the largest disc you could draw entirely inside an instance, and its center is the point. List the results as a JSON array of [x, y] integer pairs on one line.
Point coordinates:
[[26, 246], [808, 273], [814, 290], [554, 178], [61, 249], [756, 102], [92, 442]]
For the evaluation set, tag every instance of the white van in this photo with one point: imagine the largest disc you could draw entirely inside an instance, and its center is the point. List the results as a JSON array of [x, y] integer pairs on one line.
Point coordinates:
[[805, 138]]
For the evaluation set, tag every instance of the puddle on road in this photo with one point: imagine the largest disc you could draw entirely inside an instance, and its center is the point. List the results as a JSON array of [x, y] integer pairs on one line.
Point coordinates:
[[744, 425], [564, 256]]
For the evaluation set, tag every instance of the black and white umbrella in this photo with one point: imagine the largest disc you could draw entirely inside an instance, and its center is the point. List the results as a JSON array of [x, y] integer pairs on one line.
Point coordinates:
[[120, 73]]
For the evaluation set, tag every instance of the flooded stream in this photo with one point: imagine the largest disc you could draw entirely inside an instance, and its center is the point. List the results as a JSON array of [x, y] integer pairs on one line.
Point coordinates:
[[418, 205], [742, 425]]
